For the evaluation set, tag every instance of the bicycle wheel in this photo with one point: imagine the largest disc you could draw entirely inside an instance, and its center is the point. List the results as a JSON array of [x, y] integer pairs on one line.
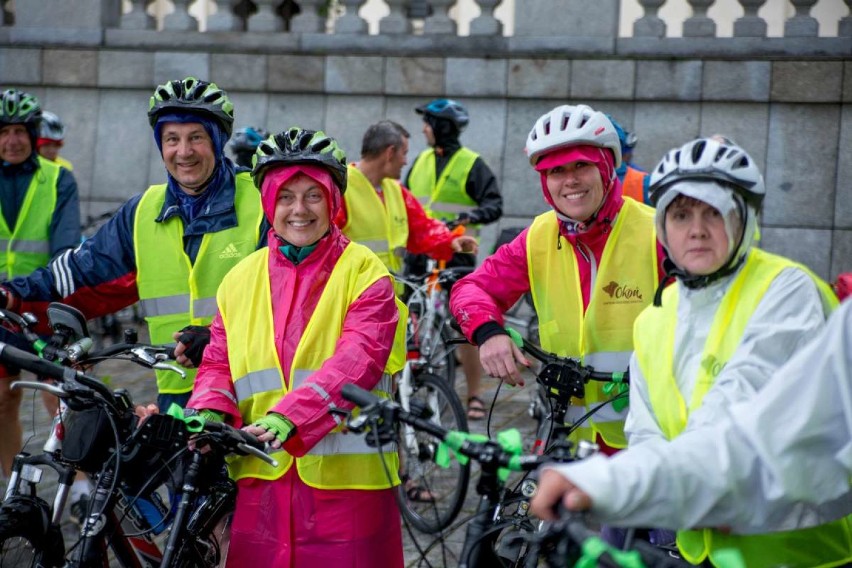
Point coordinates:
[[431, 496], [27, 537], [438, 355]]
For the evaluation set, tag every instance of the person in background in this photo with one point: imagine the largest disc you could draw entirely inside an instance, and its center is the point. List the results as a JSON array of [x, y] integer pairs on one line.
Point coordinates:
[[40, 220], [51, 138], [244, 142], [381, 214], [456, 186], [634, 180], [297, 321]]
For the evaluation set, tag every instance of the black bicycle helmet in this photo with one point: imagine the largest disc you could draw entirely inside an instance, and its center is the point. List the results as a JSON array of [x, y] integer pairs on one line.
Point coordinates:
[[244, 142], [447, 109], [19, 107], [51, 127], [193, 95], [301, 146]]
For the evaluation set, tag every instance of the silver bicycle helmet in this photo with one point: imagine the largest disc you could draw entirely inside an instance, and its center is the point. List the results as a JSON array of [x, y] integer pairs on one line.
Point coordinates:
[[569, 125], [51, 127]]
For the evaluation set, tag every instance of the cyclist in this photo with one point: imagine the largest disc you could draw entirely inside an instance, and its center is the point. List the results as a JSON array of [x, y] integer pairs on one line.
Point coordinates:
[[244, 142], [171, 245], [774, 461], [634, 180], [455, 185], [381, 214], [51, 138], [736, 314], [592, 264], [297, 321], [40, 219]]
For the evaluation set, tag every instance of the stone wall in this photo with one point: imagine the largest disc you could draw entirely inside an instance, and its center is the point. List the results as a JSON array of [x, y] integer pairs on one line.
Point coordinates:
[[786, 100]]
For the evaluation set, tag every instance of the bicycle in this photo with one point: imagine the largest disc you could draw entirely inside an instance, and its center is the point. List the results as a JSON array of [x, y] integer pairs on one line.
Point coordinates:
[[129, 459]]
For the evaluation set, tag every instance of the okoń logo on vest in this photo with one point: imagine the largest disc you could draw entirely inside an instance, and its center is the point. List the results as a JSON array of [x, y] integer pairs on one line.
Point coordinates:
[[622, 293], [230, 251]]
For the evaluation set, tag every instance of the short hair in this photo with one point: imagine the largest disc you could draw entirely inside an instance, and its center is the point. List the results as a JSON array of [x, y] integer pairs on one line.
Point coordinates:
[[381, 135]]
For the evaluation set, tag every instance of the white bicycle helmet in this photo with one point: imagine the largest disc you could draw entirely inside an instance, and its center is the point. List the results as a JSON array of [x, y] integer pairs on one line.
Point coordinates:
[[51, 127], [706, 159], [568, 125]]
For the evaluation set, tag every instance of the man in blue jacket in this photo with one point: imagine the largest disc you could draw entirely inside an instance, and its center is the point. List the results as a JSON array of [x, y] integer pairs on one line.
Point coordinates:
[[169, 246], [40, 219]]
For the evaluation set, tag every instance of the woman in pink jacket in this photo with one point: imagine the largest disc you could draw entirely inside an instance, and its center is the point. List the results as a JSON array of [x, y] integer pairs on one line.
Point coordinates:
[[592, 264], [296, 322]]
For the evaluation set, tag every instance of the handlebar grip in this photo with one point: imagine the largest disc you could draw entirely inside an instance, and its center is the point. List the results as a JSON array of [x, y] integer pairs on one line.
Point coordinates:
[[361, 397], [30, 362]]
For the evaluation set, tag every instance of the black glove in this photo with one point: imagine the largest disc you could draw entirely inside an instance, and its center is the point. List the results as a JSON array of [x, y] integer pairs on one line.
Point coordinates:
[[196, 338]]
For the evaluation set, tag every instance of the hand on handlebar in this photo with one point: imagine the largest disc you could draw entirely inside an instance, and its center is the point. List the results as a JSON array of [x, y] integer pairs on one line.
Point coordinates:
[[554, 487], [191, 342], [500, 358]]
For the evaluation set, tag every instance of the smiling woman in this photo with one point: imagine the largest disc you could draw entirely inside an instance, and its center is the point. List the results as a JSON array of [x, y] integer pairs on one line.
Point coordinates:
[[301, 212]]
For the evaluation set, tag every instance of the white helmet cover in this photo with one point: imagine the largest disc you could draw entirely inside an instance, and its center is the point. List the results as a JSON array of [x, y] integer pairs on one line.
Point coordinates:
[[706, 159], [568, 125], [51, 126]]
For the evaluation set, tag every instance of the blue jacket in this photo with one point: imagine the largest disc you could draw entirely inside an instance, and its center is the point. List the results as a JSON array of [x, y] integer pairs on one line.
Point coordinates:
[[99, 276]]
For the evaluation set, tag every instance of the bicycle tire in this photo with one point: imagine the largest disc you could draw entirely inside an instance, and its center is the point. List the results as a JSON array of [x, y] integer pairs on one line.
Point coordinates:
[[420, 473], [27, 537]]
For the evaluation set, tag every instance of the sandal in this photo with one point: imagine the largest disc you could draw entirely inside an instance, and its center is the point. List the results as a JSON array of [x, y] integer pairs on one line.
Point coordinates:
[[475, 408]]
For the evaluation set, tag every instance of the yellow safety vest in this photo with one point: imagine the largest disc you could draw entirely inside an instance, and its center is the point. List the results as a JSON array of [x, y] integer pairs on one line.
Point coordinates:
[[380, 226], [625, 283], [173, 291], [826, 545], [340, 460], [446, 197], [27, 247], [64, 163]]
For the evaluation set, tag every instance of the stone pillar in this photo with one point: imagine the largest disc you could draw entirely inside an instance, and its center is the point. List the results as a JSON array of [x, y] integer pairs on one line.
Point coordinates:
[[802, 24], [396, 22], [265, 19], [180, 20], [699, 25], [572, 18], [486, 23], [309, 19], [225, 18], [350, 22], [138, 17], [751, 25], [440, 22], [844, 28], [650, 24]]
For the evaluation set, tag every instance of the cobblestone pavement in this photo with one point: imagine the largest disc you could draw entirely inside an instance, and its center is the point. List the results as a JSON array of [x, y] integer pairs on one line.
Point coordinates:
[[509, 411]]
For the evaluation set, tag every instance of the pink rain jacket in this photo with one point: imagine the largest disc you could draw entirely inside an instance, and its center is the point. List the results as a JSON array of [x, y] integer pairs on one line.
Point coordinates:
[[286, 523]]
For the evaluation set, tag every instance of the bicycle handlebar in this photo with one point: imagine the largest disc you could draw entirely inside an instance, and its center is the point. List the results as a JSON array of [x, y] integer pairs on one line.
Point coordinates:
[[384, 412], [232, 439]]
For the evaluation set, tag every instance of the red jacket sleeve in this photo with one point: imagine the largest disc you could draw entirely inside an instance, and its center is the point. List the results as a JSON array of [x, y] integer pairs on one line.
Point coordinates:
[[492, 288], [426, 235]]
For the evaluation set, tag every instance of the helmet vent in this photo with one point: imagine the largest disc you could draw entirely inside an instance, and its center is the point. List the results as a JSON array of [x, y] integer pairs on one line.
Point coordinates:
[[698, 150]]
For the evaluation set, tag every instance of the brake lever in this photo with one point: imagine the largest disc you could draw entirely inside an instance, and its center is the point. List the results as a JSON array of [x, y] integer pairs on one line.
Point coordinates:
[[243, 447], [169, 367], [55, 390]]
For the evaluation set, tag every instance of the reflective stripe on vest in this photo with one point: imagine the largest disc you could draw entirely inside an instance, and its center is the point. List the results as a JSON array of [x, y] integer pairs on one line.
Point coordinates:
[[380, 225], [338, 461], [27, 247], [633, 185], [625, 285], [175, 293], [445, 197], [825, 545]]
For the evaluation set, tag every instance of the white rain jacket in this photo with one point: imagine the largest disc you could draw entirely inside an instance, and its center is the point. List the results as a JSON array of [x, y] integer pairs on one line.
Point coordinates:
[[777, 460]]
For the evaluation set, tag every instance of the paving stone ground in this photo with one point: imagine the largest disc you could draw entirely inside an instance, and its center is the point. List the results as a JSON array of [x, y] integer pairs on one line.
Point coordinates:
[[509, 411]]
